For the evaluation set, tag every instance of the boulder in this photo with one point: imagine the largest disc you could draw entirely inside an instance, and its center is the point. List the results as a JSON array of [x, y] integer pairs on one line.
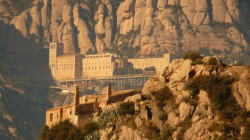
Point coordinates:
[[152, 86], [185, 110], [181, 72], [128, 134], [133, 98]]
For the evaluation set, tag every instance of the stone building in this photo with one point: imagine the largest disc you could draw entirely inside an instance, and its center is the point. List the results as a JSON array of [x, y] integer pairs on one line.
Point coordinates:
[[55, 49], [159, 63], [64, 66], [98, 65], [84, 110], [73, 66], [68, 67]]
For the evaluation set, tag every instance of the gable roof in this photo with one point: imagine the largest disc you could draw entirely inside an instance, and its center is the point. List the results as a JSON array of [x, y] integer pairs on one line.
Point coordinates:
[[87, 108]]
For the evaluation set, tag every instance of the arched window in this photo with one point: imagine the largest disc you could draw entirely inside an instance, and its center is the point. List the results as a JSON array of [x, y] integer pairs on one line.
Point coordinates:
[[51, 117]]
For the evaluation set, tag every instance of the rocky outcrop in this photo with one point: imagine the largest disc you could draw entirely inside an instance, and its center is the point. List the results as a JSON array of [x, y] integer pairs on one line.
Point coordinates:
[[104, 26], [190, 117], [156, 27], [241, 87], [66, 32]]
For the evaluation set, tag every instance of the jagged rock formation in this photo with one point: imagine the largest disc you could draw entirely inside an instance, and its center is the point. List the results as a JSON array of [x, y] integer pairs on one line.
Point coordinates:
[[179, 117], [170, 25], [216, 27]]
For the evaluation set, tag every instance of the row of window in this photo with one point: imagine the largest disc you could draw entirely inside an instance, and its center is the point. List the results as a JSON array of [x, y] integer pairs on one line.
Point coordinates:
[[96, 68], [51, 115], [96, 63]]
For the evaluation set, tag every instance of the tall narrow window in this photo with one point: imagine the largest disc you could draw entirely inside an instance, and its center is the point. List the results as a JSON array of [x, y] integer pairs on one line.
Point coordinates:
[[51, 117], [61, 113]]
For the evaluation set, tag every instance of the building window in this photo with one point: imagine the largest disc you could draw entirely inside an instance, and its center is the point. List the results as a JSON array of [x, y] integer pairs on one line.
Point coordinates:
[[51, 117], [61, 113], [70, 111]]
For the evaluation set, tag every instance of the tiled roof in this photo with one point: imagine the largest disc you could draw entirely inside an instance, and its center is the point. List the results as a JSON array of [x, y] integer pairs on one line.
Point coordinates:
[[87, 108], [55, 108]]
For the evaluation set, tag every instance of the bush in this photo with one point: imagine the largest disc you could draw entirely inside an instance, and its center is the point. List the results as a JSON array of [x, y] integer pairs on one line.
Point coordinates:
[[212, 61], [187, 123], [219, 91], [191, 86], [108, 118], [91, 127], [161, 96], [130, 122], [224, 128], [163, 116], [63, 130], [45, 133], [126, 108], [152, 132], [93, 136], [246, 134], [193, 55], [198, 61], [167, 133]]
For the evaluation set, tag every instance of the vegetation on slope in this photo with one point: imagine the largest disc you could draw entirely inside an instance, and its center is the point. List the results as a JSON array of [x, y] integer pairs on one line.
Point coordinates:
[[231, 115], [65, 130]]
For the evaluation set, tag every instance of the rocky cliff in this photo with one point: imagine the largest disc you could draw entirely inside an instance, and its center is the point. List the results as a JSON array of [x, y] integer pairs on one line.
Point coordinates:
[[188, 101], [128, 27], [195, 99]]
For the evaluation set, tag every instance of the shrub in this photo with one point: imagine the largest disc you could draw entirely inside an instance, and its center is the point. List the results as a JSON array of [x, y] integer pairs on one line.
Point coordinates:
[[108, 118], [212, 61], [219, 91], [45, 133], [224, 128], [246, 134], [167, 133], [198, 61], [187, 123], [191, 86], [163, 116], [161, 96], [146, 97], [193, 55], [130, 122], [91, 127], [93, 136], [62, 130], [109, 135], [152, 132], [126, 108]]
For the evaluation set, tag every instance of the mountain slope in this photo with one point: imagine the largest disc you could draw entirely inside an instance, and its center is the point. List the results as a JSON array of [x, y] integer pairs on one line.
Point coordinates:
[[208, 100], [146, 27]]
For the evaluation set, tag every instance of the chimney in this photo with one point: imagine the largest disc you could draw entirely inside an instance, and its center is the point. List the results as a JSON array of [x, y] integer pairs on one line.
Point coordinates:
[[108, 90], [76, 95]]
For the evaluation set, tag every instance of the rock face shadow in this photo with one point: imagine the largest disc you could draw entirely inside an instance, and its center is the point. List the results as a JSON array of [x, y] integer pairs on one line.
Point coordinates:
[[24, 85]]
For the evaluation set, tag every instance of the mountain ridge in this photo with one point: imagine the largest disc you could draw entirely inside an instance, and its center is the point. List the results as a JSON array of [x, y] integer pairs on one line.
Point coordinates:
[[138, 27]]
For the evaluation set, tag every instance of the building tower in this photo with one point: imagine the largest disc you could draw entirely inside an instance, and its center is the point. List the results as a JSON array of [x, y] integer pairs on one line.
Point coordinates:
[[55, 49], [108, 92], [76, 96]]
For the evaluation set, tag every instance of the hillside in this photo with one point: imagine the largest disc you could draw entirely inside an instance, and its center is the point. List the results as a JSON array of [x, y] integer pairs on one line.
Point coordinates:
[[190, 100], [22, 108], [126, 27]]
